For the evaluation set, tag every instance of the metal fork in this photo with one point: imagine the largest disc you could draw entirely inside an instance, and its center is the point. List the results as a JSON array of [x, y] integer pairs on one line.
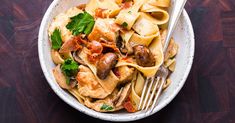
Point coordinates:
[[163, 72]]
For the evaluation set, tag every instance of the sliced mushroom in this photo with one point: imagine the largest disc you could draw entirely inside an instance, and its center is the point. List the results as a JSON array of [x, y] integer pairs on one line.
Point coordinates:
[[105, 64], [57, 59], [171, 50], [116, 98], [78, 59], [66, 55], [61, 78], [124, 94], [144, 56]]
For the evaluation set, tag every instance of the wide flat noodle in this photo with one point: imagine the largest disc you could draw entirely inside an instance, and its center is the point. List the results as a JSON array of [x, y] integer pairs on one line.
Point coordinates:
[[60, 22], [137, 39], [156, 49], [126, 35], [75, 93], [109, 7], [134, 97], [128, 18], [160, 3], [139, 85], [145, 26], [129, 15], [146, 30], [161, 16], [109, 83]]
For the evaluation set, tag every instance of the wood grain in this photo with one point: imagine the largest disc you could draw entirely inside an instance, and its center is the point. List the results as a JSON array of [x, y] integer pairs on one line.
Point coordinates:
[[207, 97]]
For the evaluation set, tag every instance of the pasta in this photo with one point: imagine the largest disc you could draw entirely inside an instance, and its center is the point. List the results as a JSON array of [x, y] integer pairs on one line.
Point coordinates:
[[105, 50]]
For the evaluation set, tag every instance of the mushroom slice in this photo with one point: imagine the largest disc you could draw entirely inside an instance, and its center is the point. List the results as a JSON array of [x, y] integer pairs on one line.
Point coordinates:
[[57, 59], [123, 96], [61, 78], [171, 50], [78, 59], [67, 55], [105, 64]]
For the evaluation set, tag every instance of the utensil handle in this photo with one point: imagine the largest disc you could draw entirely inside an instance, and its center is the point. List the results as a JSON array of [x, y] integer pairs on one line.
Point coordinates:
[[175, 14]]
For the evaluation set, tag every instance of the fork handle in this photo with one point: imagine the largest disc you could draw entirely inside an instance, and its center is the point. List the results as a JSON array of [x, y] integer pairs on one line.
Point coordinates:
[[175, 14]]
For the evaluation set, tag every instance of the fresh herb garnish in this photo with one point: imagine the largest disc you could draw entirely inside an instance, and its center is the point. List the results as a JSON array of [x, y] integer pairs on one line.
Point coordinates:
[[81, 23], [69, 68], [106, 107], [56, 39], [67, 80], [124, 24], [129, 12]]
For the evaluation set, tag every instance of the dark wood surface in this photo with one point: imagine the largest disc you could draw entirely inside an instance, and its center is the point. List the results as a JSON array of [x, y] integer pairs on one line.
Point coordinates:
[[207, 97]]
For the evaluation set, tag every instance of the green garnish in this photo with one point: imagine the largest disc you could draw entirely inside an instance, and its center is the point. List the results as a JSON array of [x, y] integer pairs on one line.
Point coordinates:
[[69, 67], [106, 107], [56, 39], [81, 23], [124, 24], [129, 12], [67, 80]]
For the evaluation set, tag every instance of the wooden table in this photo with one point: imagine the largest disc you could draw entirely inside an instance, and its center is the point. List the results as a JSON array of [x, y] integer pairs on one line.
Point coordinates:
[[208, 95]]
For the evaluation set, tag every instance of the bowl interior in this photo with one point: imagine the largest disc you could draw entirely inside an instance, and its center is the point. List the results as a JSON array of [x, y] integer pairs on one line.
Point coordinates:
[[183, 35]]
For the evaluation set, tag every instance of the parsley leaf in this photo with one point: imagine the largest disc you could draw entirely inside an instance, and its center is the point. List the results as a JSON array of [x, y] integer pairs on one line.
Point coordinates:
[[124, 24], [67, 80], [56, 39], [106, 107], [81, 23], [69, 67]]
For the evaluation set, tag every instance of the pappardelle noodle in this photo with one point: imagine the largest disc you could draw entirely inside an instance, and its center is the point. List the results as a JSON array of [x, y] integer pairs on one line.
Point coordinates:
[[105, 49]]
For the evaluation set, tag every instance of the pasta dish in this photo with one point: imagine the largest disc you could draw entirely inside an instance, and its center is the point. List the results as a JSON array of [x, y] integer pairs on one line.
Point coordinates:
[[104, 51]]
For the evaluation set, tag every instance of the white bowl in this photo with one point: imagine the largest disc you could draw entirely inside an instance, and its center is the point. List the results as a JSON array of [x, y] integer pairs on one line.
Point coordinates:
[[183, 35]]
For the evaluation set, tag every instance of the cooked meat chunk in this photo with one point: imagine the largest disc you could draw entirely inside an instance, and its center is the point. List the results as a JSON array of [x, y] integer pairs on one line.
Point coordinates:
[[89, 85], [61, 78], [124, 73], [104, 29]]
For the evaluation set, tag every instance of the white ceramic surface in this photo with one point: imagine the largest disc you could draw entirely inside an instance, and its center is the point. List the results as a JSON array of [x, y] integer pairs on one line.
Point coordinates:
[[183, 35]]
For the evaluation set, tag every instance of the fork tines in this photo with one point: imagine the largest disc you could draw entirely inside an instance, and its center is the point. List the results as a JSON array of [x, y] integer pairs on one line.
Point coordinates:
[[149, 96]]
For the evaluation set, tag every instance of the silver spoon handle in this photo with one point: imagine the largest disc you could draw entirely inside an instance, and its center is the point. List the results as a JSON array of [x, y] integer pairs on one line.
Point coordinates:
[[174, 17]]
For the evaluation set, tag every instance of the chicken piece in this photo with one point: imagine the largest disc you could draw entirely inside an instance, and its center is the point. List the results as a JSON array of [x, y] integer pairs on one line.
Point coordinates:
[[125, 74], [108, 101], [104, 29], [61, 78], [111, 103], [60, 22], [89, 85]]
